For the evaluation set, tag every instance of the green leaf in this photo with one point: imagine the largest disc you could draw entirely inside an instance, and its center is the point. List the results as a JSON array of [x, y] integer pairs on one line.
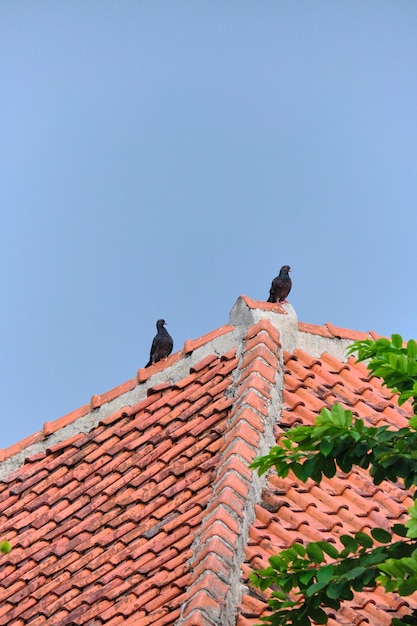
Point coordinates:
[[381, 535], [390, 585], [397, 341], [300, 471], [349, 542], [314, 589], [405, 620], [319, 616], [299, 548], [286, 583], [5, 547], [328, 467], [333, 603], [355, 573], [325, 574], [325, 416], [359, 425], [333, 591], [341, 417], [264, 584], [393, 568], [306, 576], [326, 447], [412, 528], [315, 552], [345, 462], [364, 540], [407, 587], [276, 562], [374, 558], [329, 549], [410, 564], [279, 594], [301, 620]]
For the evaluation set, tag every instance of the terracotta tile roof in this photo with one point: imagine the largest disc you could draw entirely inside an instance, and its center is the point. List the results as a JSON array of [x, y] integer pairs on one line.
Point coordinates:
[[139, 508]]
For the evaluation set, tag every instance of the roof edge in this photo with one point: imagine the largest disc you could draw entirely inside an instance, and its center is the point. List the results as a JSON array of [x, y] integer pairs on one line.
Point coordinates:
[[126, 395], [245, 312]]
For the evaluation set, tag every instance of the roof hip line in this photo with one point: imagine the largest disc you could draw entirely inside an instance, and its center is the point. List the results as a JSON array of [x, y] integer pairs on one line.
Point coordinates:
[[215, 590]]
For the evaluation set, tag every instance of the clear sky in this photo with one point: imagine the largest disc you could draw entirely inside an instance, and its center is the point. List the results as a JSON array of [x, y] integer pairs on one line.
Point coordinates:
[[160, 158]]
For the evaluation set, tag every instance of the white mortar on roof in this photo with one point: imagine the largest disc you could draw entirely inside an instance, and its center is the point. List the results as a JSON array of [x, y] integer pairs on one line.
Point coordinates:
[[316, 345], [287, 325]]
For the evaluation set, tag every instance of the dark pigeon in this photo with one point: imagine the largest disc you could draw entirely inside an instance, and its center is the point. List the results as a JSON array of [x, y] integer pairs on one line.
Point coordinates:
[[162, 344], [281, 286]]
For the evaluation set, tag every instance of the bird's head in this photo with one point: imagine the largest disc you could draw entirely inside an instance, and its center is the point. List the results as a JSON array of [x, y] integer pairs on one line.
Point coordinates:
[[160, 324], [285, 269]]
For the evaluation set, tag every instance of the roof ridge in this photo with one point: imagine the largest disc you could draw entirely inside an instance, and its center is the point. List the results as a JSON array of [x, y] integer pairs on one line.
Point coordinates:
[[218, 550], [314, 339], [246, 311], [338, 332]]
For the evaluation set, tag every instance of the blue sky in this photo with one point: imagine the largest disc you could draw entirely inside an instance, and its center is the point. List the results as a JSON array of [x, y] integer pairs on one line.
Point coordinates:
[[158, 159]]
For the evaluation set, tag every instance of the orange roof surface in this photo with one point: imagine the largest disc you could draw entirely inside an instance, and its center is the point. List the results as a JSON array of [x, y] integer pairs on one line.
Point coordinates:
[[139, 508]]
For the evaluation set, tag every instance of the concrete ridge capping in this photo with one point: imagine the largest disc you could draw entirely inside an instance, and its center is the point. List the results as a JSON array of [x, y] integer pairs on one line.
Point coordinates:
[[308, 337], [219, 546], [313, 339]]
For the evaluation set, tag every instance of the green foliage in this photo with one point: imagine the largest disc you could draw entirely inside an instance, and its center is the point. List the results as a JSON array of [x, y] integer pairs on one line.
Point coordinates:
[[304, 571], [336, 440], [308, 579], [394, 363], [5, 547]]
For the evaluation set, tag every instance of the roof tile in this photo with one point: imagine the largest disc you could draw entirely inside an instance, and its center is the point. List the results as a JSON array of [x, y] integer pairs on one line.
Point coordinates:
[[265, 340], [260, 352], [312, 329], [53, 427], [146, 372], [203, 364], [193, 344], [261, 369], [352, 335], [261, 304]]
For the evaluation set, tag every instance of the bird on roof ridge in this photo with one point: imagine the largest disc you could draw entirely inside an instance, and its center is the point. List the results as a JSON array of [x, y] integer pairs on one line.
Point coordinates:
[[281, 286], [162, 344]]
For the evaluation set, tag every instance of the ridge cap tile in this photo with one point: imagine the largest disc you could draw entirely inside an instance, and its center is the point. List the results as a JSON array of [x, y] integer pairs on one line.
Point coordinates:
[[98, 400], [144, 373], [193, 344], [344, 333], [265, 306], [264, 325], [313, 329]]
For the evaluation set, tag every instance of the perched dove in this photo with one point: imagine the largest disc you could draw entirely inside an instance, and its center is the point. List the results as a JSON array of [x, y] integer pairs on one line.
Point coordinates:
[[162, 344], [281, 286]]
